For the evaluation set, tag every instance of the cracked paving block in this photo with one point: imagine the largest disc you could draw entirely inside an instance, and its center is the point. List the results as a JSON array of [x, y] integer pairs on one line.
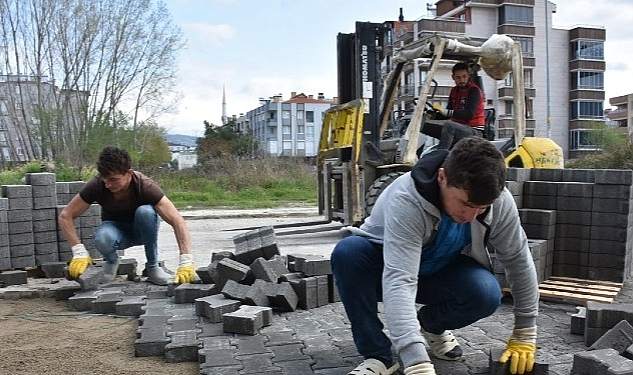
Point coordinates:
[[215, 306], [150, 342], [247, 320], [183, 347]]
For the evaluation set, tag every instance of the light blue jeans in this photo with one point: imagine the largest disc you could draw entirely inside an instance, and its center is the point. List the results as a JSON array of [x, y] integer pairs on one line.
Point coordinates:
[[111, 235], [456, 296]]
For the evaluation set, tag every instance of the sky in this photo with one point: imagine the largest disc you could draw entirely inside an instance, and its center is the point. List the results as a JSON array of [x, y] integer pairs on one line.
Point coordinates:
[[251, 49]]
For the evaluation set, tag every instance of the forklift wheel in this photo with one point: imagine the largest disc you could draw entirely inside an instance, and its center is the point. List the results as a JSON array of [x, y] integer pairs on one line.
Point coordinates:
[[377, 187]]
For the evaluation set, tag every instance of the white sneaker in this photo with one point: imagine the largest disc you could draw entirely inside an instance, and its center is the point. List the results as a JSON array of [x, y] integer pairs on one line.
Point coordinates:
[[372, 366], [443, 346], [110, 271], [157, 275]]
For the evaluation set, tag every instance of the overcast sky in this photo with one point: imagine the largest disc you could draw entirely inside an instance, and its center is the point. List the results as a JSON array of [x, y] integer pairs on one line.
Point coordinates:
[[257, 49]]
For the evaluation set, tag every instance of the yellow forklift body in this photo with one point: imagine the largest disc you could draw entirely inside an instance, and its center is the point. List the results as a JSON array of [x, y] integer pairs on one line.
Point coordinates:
[[536, 152], [342, 127]]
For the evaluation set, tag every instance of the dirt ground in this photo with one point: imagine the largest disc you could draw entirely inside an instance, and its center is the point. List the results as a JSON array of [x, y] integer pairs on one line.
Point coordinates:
[[42, 336]]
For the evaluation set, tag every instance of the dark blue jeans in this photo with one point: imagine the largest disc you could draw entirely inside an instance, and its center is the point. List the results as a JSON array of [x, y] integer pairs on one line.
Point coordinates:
[[456, 296], [111, 236]]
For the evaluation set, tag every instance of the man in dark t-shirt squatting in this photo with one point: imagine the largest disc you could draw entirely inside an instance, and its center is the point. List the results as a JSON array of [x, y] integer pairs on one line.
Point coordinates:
[[131, 208]]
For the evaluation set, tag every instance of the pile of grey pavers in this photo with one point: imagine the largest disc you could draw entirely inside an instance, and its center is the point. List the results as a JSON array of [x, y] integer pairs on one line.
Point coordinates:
[[238, 293]]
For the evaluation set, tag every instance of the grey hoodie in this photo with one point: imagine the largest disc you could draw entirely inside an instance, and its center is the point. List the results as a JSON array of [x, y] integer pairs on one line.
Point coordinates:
[[406, 217]]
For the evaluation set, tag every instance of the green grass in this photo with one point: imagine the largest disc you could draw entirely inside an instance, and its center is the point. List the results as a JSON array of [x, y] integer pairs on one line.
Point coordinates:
[[222, 183]]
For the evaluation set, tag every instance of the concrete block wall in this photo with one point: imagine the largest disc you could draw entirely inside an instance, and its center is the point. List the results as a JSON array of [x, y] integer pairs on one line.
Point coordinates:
[[29, 234], [591, 238]]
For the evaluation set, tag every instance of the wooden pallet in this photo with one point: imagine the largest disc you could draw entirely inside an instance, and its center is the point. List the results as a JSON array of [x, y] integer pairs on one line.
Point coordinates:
[[579, 290]]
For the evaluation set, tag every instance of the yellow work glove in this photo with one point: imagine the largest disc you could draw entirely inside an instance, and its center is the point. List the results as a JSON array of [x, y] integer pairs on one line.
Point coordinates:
[[186, 272], [442, 111], [520, 350], [81, 260], [425, 368]]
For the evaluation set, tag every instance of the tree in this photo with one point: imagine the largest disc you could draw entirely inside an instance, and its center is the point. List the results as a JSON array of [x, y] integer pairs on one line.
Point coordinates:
[[84, 68], [221, 141]]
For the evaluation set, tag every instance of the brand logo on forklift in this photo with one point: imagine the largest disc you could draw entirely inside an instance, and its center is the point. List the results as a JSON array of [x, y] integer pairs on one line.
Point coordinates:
[[364, 63]]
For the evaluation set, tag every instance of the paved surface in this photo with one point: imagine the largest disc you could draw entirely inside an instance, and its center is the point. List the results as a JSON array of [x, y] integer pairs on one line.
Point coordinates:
[[318, 341]]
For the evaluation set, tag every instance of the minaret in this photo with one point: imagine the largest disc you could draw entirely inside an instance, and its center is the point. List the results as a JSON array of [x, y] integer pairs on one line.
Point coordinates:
[[223, 106]]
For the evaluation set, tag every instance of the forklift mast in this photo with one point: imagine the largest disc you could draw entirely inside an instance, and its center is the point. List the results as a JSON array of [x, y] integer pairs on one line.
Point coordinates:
[[359, 56]]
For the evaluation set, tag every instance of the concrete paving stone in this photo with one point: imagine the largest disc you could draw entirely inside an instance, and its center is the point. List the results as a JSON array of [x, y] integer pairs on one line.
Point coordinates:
[[150, 342], [187, 293], [82, 301], [218, 358], [150, 321], [183, 346], [289, 352], [91, 278], [105, 303], [601, 362], [620, 337], [258, 364], [130, 306], [497, 368], [215, 306], [276, 336], [183, 323], [16, 277], [250, 345], [229, 370]]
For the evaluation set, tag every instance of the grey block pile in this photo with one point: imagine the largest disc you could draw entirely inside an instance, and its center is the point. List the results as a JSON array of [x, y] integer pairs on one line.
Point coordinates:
[[589, 238], [609, 336]]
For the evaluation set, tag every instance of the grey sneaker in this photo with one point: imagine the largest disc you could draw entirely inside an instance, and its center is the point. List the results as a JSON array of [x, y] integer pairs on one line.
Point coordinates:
[[110, 271], [157, 275]]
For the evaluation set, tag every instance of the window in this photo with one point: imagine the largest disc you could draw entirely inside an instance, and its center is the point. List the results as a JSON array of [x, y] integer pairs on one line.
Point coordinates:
[[309, 116], [285, 129], [301, 129], [587, 49], [587, 80], [516, 15], [299, 115], [285, 114], [527, 45], [586, 110], [528, 79], [582, 139], [310, 131]]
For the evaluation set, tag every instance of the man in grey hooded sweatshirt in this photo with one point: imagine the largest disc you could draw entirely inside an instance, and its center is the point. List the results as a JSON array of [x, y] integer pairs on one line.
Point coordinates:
[[425, 242]]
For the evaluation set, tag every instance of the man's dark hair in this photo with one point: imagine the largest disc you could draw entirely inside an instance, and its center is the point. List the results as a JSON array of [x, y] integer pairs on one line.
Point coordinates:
[[113, 160], [461, 66], [477, 166]]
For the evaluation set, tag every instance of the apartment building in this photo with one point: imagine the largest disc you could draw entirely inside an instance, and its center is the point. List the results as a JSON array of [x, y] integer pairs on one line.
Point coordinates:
[[35, 117], [622, 115], [563, 68], [287, 127]]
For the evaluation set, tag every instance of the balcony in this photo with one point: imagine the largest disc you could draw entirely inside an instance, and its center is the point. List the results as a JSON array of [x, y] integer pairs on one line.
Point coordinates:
[[619, 100], [441, 26]]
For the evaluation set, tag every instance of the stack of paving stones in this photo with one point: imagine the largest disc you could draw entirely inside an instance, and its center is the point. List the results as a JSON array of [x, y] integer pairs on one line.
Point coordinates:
[[591, 209], [44, 217], [29, 235], [20, 215]]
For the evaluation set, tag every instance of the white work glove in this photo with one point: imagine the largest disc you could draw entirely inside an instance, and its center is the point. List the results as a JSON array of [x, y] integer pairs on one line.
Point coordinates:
[[520, 350], [186, 272], [81, 260], [442, 111], [425, 368]]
